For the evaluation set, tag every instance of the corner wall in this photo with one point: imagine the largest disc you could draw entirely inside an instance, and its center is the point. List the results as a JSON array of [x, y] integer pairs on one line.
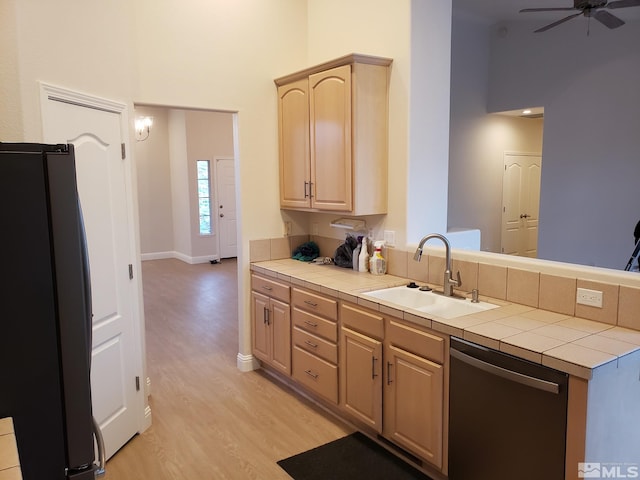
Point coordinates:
[[154, 186]]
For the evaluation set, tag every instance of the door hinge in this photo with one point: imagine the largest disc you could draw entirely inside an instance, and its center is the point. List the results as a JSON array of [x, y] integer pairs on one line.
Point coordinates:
[[130, 272], [123, 150], [137, 384]]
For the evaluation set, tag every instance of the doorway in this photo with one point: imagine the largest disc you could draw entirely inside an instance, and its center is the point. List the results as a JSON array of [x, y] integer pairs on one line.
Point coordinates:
[[168, 184]]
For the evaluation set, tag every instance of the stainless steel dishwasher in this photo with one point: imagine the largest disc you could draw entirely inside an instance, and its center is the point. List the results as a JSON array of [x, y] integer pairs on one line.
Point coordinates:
[[507, 416]]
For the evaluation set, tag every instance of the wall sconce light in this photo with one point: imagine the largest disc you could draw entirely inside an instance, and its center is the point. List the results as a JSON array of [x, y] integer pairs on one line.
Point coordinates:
[[143, 128]]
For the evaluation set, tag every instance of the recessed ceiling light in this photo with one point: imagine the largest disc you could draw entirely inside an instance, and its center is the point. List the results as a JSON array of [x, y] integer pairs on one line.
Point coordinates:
[[526, 112]]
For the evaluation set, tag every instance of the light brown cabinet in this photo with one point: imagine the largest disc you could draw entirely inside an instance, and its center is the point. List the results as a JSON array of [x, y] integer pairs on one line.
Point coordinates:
[[361, 365], [271, 323], [386, 362], [333, 136], [315, 336], [414, 391], [386, 375]]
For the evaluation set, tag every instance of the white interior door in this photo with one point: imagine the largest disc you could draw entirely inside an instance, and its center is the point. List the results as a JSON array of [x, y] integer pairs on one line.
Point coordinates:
[[521, 204], [226, 195], [100, 169]]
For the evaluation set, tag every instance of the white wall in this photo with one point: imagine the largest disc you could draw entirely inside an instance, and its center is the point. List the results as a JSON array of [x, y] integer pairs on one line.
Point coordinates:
[[154, 186], [11, 113], [427, 173], [589, 88], [179, 176], [82, 46]]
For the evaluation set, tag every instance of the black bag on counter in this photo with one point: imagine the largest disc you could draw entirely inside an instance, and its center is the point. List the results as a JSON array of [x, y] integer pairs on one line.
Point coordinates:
[[344, 253]]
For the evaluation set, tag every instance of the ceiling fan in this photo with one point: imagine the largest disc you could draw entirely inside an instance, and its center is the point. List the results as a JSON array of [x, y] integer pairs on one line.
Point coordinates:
[[590, 9]]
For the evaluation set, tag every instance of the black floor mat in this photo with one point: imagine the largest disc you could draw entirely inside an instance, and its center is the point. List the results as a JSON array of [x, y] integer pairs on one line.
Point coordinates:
[[354, 457]]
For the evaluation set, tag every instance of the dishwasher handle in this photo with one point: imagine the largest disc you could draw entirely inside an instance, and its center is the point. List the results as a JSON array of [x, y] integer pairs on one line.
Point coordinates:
[[506, 374]]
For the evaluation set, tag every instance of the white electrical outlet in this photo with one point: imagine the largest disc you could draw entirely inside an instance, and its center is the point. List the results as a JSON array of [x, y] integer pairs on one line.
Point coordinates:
[[390, 238], [593, 298]]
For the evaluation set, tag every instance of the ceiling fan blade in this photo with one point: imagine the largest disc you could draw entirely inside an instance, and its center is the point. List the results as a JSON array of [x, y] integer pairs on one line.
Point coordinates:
[[561, 9], [607, 19], [559, 22], [624, 4]]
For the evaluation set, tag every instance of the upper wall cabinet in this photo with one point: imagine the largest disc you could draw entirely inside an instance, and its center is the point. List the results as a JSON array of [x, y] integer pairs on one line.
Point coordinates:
[[333, 136]]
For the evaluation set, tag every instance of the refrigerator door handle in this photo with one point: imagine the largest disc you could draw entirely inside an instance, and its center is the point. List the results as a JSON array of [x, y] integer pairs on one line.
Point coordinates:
[[102, 456]]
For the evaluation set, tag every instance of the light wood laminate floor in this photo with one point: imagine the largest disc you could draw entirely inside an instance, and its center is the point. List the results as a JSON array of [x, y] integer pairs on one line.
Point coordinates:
[[210, 421]]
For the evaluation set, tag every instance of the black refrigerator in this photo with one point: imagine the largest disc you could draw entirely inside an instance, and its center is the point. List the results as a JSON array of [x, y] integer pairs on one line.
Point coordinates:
[[45, 326]]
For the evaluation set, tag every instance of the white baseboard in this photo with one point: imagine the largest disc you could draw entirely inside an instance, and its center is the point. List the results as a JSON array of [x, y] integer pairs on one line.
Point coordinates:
[[247, 363], [147, 418], [179, 256], [156, 255]]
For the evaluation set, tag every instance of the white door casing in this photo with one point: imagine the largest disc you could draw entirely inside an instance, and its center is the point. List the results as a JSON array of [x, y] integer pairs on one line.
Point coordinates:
[[95, 127], [226, 211], [521, 204]]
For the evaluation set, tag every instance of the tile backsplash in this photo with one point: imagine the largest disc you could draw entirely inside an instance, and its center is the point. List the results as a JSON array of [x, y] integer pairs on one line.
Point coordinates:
[[517, 284]]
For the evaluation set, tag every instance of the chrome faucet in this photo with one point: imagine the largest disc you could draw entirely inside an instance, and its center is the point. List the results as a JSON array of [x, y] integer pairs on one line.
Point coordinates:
[[449, 281]]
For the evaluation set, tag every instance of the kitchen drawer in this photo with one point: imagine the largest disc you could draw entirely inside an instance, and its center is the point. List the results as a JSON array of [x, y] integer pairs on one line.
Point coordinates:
[[316, 374], [327, 307], [315, 345], [315, 324], [362, 321], [416, 341], [272, 288]]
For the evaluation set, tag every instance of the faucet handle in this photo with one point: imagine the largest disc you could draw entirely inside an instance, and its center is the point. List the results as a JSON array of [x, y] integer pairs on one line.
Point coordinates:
[[458, 281]]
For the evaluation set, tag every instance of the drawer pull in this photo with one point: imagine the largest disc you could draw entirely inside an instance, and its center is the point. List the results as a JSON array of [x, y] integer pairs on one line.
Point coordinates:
[[310, 303], [311, 374], [311, 324], [266, 316], [311, 344], [389, 373], [267, 287], [373, 367]]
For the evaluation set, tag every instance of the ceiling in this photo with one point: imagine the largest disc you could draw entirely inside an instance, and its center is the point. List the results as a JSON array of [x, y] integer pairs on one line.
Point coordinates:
[[494, 11]]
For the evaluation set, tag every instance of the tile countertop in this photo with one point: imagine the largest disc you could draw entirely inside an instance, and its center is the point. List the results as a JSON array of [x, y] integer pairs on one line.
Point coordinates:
[[570, 344], [9, 465]]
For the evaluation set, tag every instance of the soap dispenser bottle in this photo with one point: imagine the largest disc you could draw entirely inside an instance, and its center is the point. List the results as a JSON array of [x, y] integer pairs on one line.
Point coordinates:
[[377, 263], [363, 259]]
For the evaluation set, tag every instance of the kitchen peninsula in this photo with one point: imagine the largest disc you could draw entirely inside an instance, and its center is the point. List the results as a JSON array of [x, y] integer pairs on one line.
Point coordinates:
[[533, 321]]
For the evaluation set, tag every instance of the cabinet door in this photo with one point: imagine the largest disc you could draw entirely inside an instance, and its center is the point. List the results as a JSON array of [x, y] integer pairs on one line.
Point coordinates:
[[261, 331], [280, 325], [414, 396], [293, 128], [361, 377], [330, 129]]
